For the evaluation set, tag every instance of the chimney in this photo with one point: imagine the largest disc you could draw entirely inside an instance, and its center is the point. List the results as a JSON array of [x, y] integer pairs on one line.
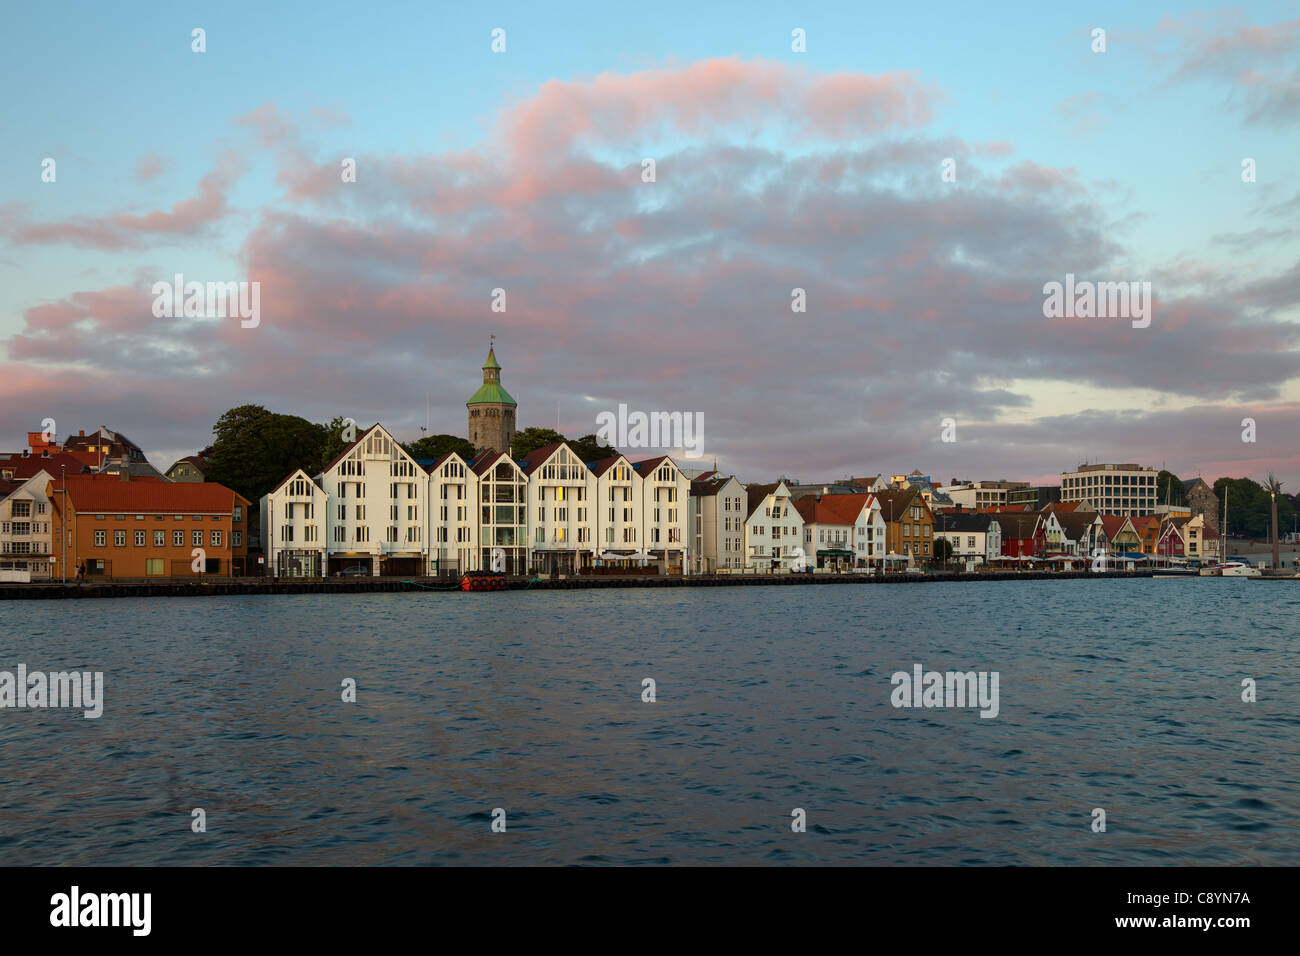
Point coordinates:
[[126, 473], [82, 433]]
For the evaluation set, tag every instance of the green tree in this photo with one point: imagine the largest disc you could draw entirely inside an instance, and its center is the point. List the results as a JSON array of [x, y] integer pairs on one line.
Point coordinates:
[[942, 549], [335, 441], [255, 449], [1249, 507], [1169, 489], [591, 448], [531, 439], [435, 446]]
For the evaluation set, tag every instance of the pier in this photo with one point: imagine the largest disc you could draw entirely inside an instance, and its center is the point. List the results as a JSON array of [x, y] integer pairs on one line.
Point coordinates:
[[263, 586]]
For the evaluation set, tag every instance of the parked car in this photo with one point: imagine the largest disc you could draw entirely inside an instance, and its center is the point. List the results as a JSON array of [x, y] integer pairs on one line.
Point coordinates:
[[914, 571], [357, 570]]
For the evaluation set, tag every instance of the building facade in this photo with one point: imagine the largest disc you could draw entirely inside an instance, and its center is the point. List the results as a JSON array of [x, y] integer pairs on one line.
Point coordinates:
[[1112, 489], [117, 526], [773, 528], [717, 515], [26, 539]]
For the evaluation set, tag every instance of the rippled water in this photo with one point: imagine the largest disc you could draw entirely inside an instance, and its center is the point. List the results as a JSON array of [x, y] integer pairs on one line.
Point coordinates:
[[1124, 695]]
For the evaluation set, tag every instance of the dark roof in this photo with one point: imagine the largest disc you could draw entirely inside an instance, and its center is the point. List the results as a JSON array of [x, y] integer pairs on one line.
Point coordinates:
[[899, 498], [1016, 524], [1074, 523], [965, 521], [602, 465], [710, 486], [488, 459], [198, 461], [756, 494], [24, 466], [645, 466], [432, 465], [538, 456]]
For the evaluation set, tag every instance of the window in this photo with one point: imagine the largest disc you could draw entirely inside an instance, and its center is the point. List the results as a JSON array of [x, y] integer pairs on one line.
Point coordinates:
[[239, 512], [160, 539], [236, 539], [119, 539], [196, 539], [178, 539], [99, 538], [217, 538], [153, 566]]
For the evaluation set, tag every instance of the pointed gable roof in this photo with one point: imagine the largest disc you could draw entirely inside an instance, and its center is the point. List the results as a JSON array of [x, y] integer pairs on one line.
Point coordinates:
[[602, 465], [294, 474], [648, 465], [1075, 524], [900, 498], [1017, 524], [538, 456]]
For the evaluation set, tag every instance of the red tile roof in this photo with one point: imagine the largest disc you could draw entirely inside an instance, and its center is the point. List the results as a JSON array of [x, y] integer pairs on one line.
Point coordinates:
[[24, 466], [105, 493]]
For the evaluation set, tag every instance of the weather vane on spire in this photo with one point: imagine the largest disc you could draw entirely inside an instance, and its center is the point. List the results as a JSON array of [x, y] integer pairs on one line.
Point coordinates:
[[492, 341]]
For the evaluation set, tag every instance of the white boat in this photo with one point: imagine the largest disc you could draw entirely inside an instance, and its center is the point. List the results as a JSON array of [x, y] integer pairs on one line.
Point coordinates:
[[1239, 569]]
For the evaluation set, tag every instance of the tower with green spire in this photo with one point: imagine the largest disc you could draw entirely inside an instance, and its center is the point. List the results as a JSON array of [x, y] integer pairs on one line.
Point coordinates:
[[491, 409]]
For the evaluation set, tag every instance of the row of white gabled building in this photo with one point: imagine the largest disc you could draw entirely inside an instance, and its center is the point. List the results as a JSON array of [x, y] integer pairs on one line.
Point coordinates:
[[376, 510]]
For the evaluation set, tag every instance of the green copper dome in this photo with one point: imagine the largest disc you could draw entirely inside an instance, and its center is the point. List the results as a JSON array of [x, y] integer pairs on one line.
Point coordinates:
[[491, 392]]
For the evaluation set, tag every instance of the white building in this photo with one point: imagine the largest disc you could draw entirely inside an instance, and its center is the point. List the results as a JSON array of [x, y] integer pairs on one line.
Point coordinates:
[[665, 500], [773, 528], [25, 536], [845, 532], [1112, 489], [717, 517], [619, 506], [503, 512], [453, 511], [561, 489], [973, 537], [376, 511], [981, 494], [294, 527]]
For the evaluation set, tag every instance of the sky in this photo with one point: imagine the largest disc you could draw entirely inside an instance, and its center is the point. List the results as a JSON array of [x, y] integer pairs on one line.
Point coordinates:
[[1171, 156]]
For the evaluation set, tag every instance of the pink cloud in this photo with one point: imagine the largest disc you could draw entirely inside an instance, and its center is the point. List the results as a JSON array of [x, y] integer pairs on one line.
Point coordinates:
[[151, 166], [186, 219]]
